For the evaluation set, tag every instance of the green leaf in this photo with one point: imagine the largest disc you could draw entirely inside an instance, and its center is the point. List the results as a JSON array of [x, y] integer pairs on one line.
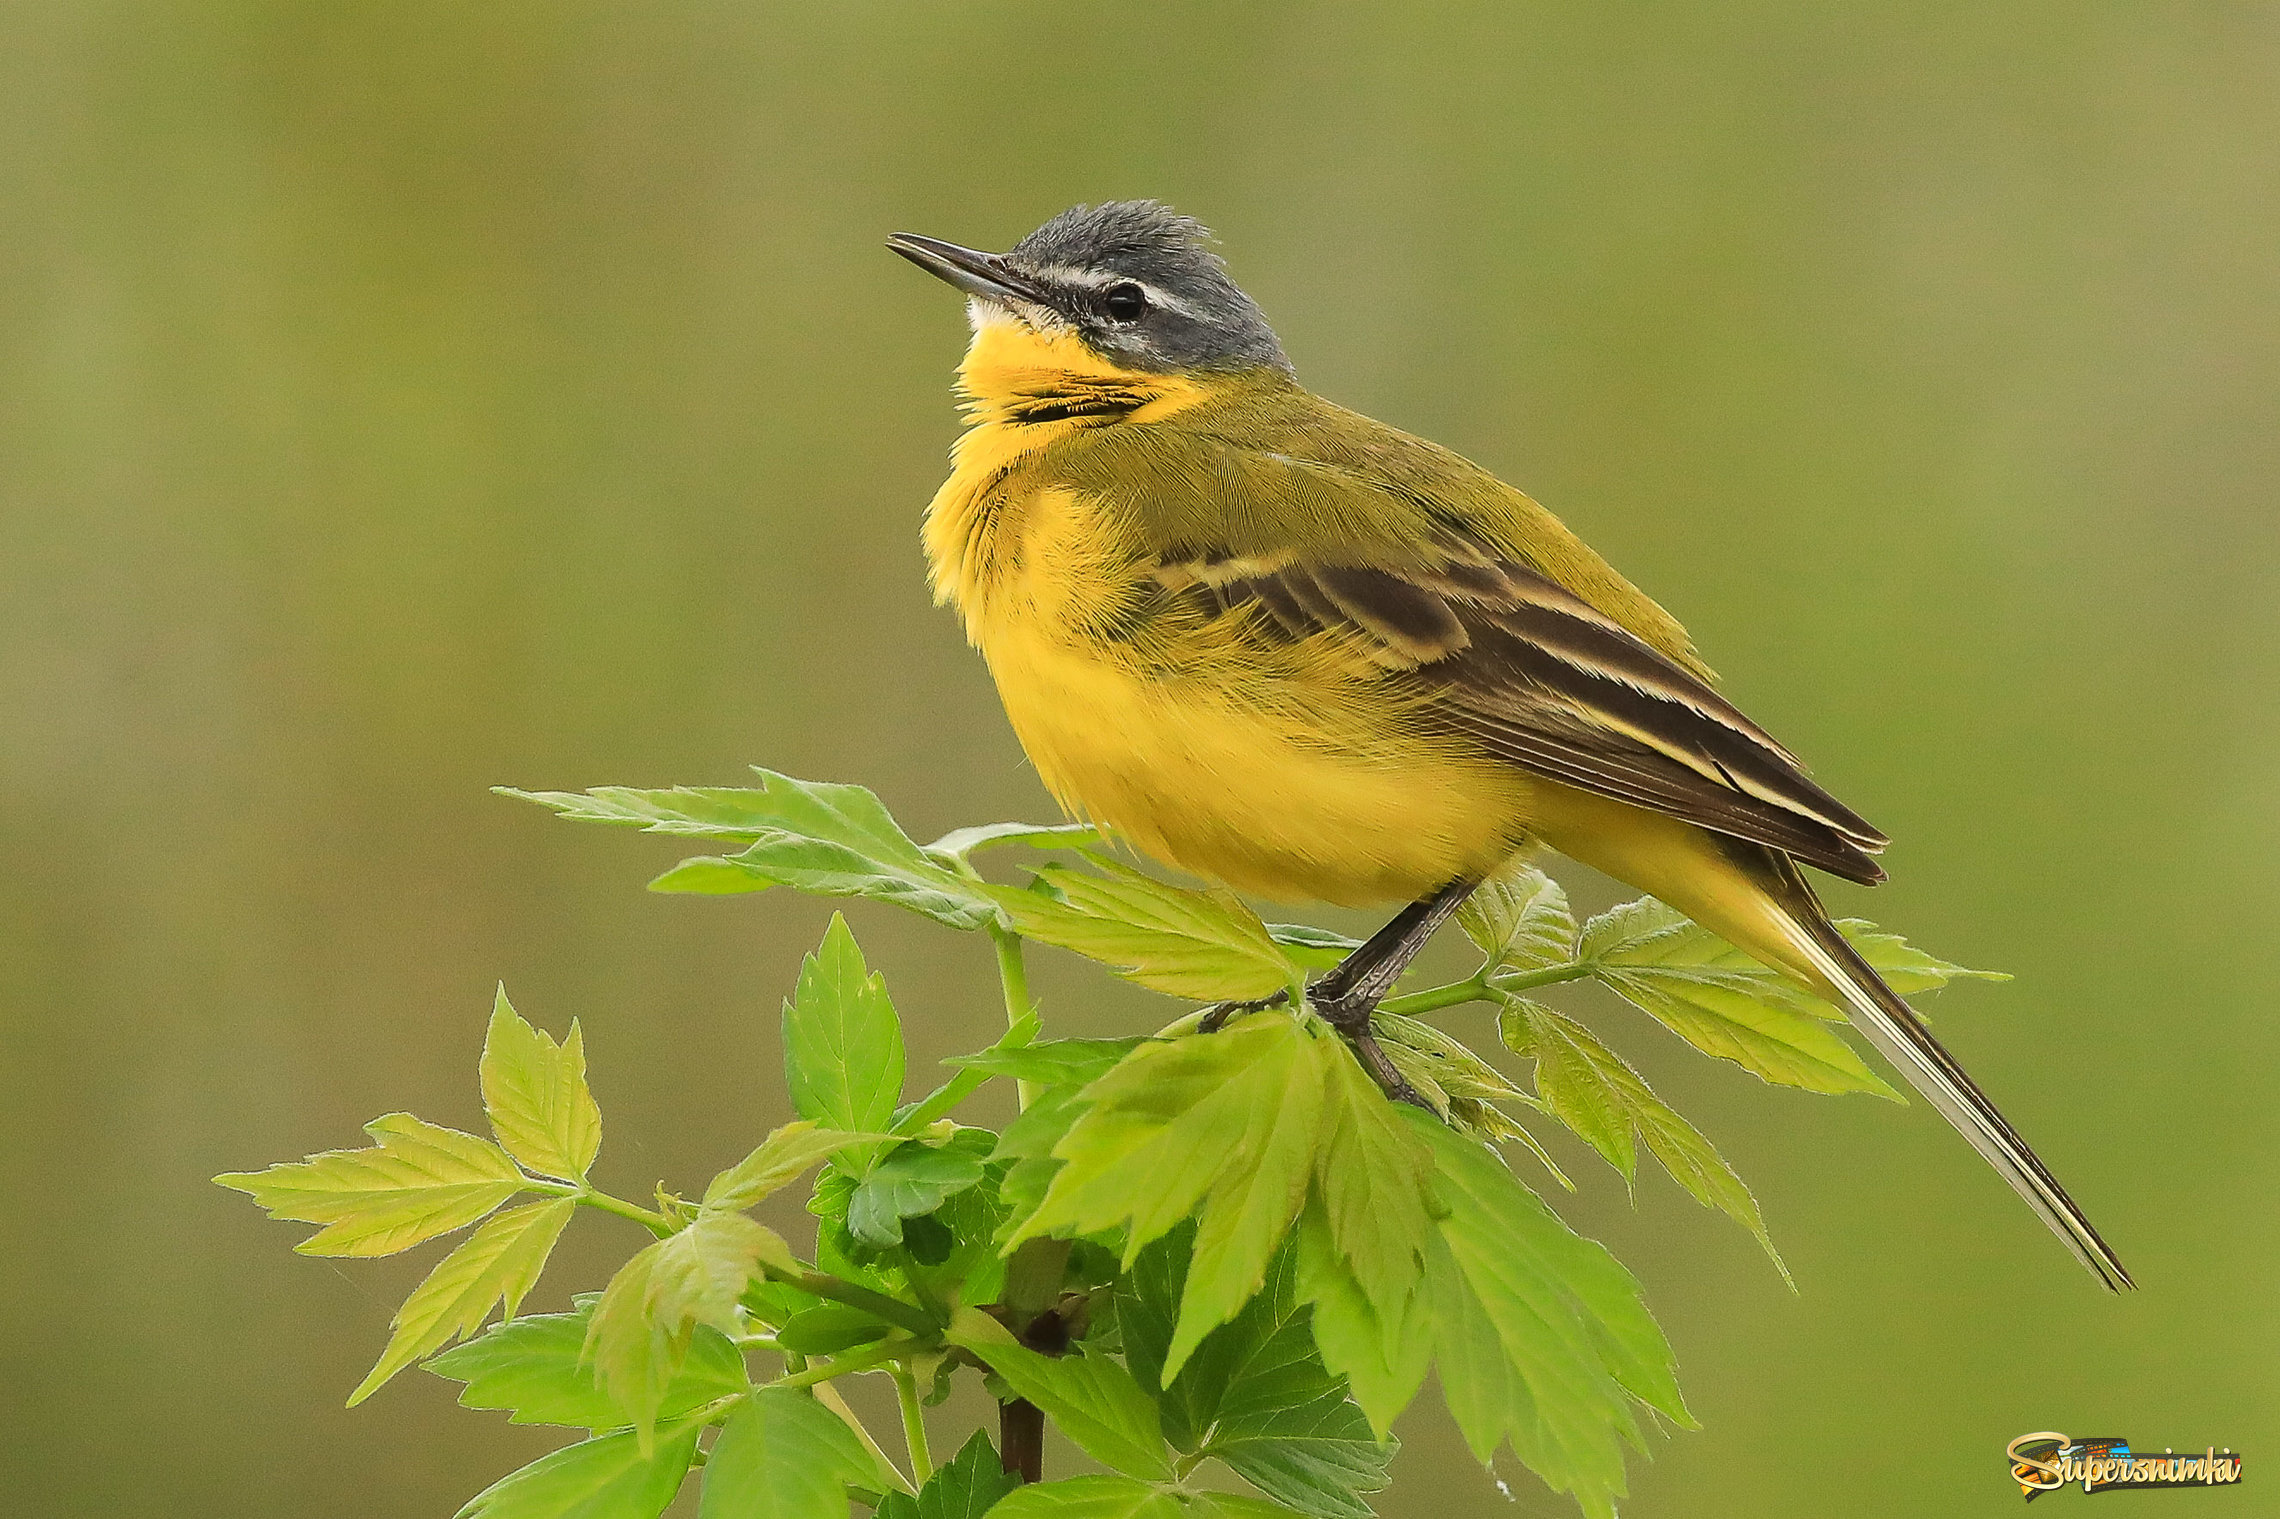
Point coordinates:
[[1094, 1400], [1093, 1498], [1486, 1121], [1456, 1070], [418, 1182], [1904, 967], [535, 1368], [913, 1179], [498, 1263], [1597, 1093], [1540, 1338], [1204, 945], [1577, 1078], [641, 1330], [1520, 920], [963, 1487], [1375, 1180], [604, 1478], [1228, 1123], [832, 840], [1383, 1358], [1314, 948], [780, 1158], [1721, 1001], [1053, 1063], [535, 1093], [962, 843], [1273, 1412], [970, 1268], [1312, 1450], [830, 1328], [843, 1046], [783, 1455]]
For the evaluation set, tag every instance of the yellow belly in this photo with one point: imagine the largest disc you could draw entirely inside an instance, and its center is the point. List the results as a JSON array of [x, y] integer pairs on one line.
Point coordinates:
[[1254, 780]]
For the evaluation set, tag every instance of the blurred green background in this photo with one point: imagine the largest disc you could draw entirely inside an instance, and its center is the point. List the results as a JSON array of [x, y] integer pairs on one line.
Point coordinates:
[[398, 399]]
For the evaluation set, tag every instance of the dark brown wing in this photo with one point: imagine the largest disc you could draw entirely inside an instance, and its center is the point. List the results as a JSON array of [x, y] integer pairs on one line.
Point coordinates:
[[1539, 677]]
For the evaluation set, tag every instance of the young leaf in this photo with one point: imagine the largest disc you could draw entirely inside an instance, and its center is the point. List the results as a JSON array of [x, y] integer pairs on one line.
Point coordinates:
[[961, 843], [1383, 1358], [843, 1046], [833, 840], [1721, 1001], [1904, 967], [780, 1158], [1486, 1121], [498, 1263], [535, 1093], [535, 1368], [1311, 1449], [1576, 1076], [1375, 1180], [914, 1179], [1098, 1498], [641, 1329], [1197, 944], [963, 1487], [1520, 920], [1275, 1414], [1052, 1063], [783, 1455], [1595, 1092], [1094, 1400], [1230, 1121], [1456, 1070], [1257, 1196], [1736, 1020], [1314, 948], [1540, 1338], [418, 1182], [609, 1477], [829, 1328]]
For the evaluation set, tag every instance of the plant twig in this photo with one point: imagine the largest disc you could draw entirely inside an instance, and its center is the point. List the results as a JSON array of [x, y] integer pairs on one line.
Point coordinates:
[[1013, 976], [877, 1304], [913, 1422], [829, 1397]]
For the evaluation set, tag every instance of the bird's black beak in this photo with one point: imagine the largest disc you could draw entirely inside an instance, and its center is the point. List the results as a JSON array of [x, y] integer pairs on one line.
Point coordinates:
[[976, 273]]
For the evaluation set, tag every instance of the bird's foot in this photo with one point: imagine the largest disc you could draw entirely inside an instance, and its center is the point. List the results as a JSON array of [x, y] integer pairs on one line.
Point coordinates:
[[1351, 1014], [1220, 1014]]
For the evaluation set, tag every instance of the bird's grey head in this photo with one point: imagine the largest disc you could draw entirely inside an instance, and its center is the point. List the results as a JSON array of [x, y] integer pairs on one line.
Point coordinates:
[[1135, 280]]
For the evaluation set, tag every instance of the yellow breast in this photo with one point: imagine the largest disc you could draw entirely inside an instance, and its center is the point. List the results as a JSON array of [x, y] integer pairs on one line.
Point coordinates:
[[1278, 771]]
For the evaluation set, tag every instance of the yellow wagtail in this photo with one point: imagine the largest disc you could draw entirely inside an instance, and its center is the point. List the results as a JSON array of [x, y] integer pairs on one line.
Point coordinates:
[[1288, 648]]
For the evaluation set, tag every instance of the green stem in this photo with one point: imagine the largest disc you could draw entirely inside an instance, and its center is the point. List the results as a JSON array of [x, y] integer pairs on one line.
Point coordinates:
[[840, 1366], [1433, 998], [1550, 975], [913, 1422], [656, 1223], [829, 1397], [877, 1304], [1480, 988], [1013, 975]]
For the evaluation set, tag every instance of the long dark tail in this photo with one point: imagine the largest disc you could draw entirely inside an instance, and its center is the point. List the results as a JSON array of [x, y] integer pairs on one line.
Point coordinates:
[[1893, 1027]]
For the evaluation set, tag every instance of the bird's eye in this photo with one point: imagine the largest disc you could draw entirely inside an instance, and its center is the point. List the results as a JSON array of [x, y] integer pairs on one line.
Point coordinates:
[[1124, 302]]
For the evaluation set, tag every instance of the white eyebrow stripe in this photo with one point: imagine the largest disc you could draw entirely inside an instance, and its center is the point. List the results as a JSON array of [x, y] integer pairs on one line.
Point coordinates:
[[1099, 279]]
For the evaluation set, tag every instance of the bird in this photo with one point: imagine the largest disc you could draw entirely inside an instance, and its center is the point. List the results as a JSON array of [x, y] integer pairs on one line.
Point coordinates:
[[1300, 653]]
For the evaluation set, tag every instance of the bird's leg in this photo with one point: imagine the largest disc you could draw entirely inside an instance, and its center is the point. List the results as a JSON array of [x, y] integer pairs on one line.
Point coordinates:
[[1349, 995], [1219, 1014]]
